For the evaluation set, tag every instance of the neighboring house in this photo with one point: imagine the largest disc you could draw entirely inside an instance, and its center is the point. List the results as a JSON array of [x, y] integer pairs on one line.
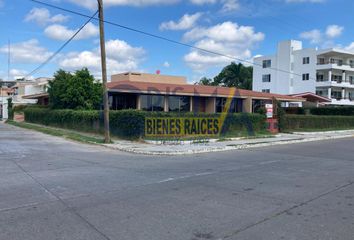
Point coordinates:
[[151, 92], [293, 70], [26, 92]]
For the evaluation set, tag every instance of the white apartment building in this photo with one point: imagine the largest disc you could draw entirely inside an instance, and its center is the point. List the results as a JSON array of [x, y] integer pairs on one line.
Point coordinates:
[[292, 70]]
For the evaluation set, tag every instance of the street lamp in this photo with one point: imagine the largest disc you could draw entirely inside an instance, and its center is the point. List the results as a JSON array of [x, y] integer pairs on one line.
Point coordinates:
[[107, 138]]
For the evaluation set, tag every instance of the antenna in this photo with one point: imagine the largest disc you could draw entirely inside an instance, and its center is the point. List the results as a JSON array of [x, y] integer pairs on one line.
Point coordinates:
[[8, 61]]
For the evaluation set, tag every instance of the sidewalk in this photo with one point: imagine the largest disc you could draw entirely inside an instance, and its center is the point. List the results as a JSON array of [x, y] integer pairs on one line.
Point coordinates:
[[218, 146]]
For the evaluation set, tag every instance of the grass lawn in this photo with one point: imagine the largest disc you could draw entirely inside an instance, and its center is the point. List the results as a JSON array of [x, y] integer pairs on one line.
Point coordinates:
[[58, 132]]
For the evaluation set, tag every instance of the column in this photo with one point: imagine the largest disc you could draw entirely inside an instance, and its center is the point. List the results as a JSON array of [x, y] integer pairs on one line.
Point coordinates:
[[210, 105], [344, 76], [343, 93], [330, 75], [166, 107], [138, 102], [191, 104], [330, 93], [247, 105]]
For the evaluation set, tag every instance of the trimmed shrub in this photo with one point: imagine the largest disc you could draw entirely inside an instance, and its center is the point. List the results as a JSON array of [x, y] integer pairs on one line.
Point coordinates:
[[344, 111], [302, 122], [295, 110], [131, 123]]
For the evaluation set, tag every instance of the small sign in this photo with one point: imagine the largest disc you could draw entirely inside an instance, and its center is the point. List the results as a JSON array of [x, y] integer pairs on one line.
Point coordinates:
[[269, 108]]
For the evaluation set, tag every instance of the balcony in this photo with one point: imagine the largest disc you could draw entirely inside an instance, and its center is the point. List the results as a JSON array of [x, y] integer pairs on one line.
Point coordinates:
[[335, 63], [342, 101]]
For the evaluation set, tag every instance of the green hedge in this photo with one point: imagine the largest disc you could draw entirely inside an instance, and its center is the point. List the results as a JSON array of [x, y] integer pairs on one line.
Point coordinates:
[[311, 122], [344, 111], [131, 123]]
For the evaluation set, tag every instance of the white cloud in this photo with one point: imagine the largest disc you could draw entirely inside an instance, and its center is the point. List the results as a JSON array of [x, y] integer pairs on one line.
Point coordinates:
[[350, 47], [121, 57], [230, 5], [166, 64], [43, 17], [17, 73], [303, 1], [27, 52], [334, 31], [314, 36], [92, 4], [227, 38], [60, 32], [202, 2], [186, 22]]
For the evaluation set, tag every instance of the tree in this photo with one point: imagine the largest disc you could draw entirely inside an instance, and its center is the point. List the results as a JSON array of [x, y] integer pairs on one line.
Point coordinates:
[[233, 75], [75, 91]]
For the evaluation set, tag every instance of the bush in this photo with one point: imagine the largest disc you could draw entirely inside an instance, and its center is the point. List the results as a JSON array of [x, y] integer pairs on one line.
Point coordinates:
[[131, 123], [302, 122], [344, 111], [295, 110]]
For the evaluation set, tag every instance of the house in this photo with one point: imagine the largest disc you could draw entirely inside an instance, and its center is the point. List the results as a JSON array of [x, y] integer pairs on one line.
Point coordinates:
[[31, 92], [154, 92], [294, 70]]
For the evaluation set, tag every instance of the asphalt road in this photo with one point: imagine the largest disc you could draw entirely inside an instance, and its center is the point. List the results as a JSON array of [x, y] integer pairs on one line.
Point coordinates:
[[51, 188]]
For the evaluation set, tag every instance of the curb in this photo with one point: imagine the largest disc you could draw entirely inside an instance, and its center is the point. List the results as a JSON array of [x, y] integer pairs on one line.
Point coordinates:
[[222, 149]]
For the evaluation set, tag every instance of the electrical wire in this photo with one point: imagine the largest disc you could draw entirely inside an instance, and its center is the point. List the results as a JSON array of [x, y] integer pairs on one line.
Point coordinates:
[[61, 48], [164, 38]]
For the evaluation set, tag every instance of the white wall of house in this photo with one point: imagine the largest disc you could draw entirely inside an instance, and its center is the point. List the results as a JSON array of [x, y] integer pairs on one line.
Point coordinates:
[[3, 108], [291, 62]]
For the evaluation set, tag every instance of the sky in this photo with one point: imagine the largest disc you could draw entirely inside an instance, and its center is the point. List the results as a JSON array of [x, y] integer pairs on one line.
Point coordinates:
[[239, 28]]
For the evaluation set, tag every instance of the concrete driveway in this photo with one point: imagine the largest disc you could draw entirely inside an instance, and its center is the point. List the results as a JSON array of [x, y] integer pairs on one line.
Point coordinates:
[[51, 188]]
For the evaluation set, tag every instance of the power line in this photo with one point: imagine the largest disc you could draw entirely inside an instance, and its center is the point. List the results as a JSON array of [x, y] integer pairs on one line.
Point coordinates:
[[163, 38], [62, 47]]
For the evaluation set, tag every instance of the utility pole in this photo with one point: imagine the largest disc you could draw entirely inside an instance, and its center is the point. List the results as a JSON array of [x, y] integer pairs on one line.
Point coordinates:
[[107, 137]]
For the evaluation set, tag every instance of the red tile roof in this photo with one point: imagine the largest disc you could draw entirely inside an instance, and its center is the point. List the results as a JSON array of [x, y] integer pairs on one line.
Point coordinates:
[[192, 90]]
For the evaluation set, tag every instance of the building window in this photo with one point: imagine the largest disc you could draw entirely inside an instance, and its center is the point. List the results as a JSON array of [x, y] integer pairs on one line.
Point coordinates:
[[152, 103], [267, 63], [351, 79], [266, 90], [235, 105], [306, 60], [320, 77], [337, 78], [266, 78], [305, 77], [319, 92], [336, 95], [178, 104], [122, 101]]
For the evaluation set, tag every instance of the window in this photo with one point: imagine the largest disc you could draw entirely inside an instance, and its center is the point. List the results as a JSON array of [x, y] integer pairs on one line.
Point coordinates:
[[319, 92], [351, 79], [320, 61], [122, 101], [320, 77], [305, 77], [266, 78], [235, 106], [178, 104], [152, 103], [337, 95], [267, 63], [266, 90], [306, 60]]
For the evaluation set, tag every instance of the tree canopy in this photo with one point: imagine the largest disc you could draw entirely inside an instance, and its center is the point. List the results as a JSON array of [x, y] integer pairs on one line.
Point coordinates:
[[233, 75], [75, 91]]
